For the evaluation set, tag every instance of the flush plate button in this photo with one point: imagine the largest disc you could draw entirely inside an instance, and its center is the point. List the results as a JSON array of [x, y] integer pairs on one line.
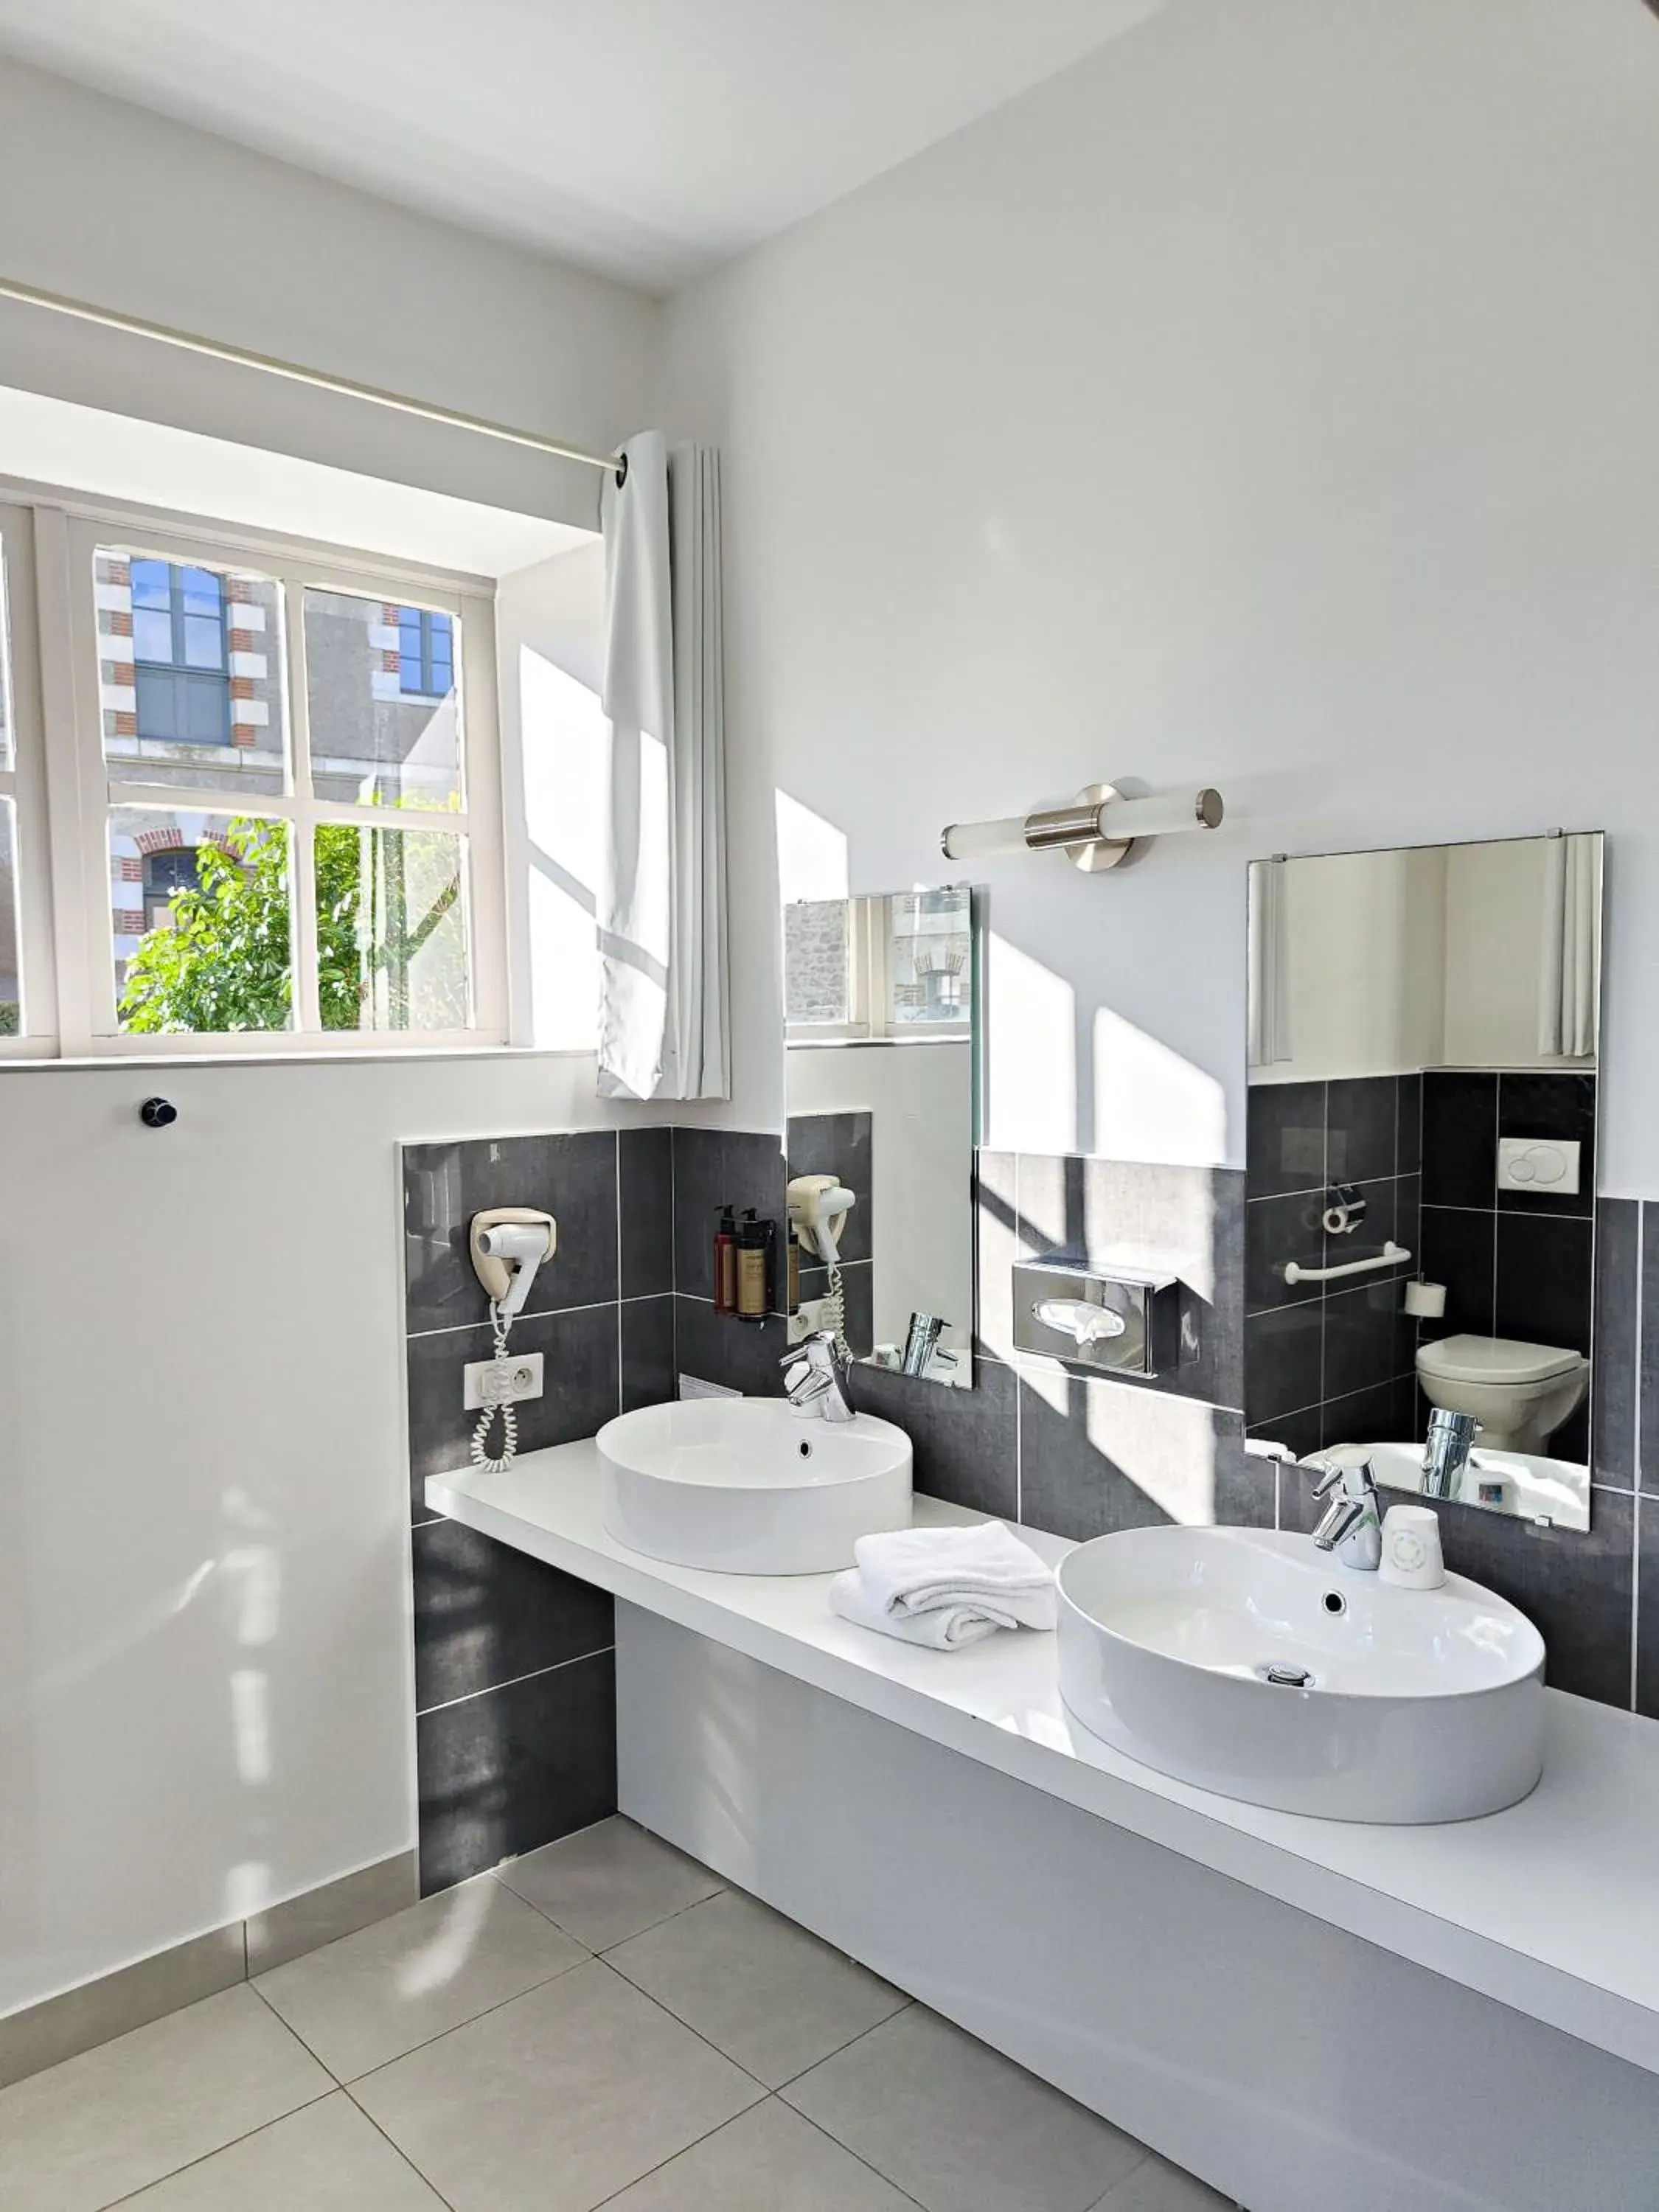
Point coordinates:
[[1539, 1164]]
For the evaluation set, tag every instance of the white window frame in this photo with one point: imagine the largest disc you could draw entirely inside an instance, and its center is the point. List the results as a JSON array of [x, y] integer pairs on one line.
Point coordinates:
[[67, 787]]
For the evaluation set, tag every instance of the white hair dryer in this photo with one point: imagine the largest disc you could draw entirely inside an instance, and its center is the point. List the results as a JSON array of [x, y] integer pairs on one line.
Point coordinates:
[[508, 1244], [818, 1206]]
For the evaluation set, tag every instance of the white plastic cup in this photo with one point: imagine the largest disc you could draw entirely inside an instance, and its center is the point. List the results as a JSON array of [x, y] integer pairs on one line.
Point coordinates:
[[1411, 1548]]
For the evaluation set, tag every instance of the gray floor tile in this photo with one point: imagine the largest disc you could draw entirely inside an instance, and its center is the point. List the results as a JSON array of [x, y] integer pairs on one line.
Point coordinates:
[[769, 2160], [327, 2158], [557, 2101], [761, 1989], [86, 2133], [608, 1883], [372, 1996], [1158, 2186], [958, 2127]]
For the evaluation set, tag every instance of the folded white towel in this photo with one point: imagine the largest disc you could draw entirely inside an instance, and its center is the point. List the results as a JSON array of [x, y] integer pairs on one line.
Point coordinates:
[[945, 1587]]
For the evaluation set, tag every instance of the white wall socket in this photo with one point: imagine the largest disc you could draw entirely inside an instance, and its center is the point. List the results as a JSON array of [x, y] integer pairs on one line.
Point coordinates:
[[524, 1373], [1539, 1164]]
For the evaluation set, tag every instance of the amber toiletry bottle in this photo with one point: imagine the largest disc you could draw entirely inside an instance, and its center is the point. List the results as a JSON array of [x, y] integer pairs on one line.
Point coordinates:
[[726, 1262], [755, 1267]]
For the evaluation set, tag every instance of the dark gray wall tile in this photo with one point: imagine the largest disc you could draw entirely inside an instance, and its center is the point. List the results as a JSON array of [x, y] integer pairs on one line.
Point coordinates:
[[1300, 1432], [645, 1181], [579, 1388], [997, 1249], [1246, 1489], [1096, 1457], [1284, 1143], [572, 1177], [858, 1291], [1283, 1363], [1278, 1230], [1360, 1338], [1460, 1138], [1408, 1124], [647, 1353], [486, 1614], [1648, 1383], [1361, 1122], [712, 1166], [1359, 1417], [1537, 1103], [840, 1145], [1647, 1617], [1544, 1280], [963, 1441], [739, 1355], [1459, 1251], [1618, 1260], [516, 1768]]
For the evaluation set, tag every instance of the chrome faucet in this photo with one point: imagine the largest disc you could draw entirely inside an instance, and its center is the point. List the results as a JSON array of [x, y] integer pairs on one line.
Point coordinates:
[[1351, 1524], [1450, 1448], [815, 1377]]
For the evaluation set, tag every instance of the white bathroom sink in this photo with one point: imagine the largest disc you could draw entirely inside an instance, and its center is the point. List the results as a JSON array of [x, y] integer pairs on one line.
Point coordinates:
[[1556, 1491], [749, 1487], [1418, 1706]]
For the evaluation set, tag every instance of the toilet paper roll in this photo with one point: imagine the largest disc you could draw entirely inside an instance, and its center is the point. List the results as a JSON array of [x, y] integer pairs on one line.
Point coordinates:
[[1335, 1221], [1426, 1300]]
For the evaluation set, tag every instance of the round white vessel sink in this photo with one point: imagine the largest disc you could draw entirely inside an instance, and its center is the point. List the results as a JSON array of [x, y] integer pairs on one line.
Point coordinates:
[[746, 1487], [1247, 1662]]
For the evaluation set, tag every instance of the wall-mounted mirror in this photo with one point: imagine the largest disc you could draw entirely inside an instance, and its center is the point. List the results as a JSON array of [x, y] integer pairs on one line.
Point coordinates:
[[879, 1036], [1420, 1168]]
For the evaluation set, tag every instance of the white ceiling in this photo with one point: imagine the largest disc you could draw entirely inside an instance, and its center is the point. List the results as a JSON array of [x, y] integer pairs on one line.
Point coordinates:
[[648, 139]]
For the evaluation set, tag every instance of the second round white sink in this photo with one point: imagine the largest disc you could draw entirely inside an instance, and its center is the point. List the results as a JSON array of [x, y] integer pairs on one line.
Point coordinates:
[[746, 1487], [1249, 1663]]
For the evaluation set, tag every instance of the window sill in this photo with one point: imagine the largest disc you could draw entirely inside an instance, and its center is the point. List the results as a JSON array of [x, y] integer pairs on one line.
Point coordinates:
[[45, 1061]]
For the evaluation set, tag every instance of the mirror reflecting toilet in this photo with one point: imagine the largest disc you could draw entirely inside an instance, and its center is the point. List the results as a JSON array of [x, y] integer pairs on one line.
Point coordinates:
[[1420, 1165]]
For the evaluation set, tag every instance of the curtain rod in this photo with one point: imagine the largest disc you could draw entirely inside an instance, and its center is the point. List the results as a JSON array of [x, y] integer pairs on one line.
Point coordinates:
[[188, 342]]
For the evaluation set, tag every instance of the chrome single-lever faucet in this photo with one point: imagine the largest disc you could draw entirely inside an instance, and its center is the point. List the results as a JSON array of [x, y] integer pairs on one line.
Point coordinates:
[[1450, 1448], [815, 1377], [1351, 1524]]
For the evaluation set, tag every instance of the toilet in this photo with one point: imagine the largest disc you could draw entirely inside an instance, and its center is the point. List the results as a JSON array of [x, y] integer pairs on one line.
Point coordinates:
[[1520, 1393]]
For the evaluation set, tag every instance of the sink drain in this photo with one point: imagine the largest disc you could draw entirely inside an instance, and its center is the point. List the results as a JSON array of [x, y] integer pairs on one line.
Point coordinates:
[[1284, 1676]]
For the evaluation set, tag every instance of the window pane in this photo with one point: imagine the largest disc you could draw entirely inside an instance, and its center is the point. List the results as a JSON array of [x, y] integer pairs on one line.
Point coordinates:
[[11, 995], [370, 741], [199, 909], [391, 928], [930, 947], [815, 957], [152, 635], [190, 675], [151, 584]]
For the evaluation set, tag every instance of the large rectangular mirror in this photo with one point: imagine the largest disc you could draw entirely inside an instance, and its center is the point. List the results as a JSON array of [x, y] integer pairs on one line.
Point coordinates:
[[1420, 1168], [879, 1034]]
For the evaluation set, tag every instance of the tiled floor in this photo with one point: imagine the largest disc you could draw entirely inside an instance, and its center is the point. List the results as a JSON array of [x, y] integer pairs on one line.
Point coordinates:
[[603, 2023]]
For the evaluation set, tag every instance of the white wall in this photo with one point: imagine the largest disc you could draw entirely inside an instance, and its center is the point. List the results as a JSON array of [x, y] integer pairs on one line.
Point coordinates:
[[108, 202], [1267, 400], [204, 1663], [919, 1099], [1494, 938]]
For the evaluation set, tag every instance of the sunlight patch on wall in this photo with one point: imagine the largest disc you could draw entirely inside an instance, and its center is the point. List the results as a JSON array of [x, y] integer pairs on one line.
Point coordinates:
[[1152, 1104], [1030, 1055], [813, 853]]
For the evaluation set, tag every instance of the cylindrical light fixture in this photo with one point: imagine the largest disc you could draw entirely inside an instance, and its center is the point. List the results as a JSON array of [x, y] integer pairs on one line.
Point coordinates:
[[1097, 831]]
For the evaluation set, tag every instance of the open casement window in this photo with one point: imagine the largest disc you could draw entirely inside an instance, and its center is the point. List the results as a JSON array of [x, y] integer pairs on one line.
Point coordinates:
[[863, 970], [273, 778]]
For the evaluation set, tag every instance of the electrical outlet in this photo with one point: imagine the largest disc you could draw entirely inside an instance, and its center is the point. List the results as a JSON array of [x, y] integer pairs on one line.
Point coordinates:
[[524, 1371]]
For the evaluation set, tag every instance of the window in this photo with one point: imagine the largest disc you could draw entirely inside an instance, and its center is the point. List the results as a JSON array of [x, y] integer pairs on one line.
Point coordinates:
[[862, 968], [280, 771], [425, 652]]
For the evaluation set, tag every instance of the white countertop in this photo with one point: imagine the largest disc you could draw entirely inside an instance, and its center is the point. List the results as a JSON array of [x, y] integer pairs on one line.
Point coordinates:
[[1551, 1907]]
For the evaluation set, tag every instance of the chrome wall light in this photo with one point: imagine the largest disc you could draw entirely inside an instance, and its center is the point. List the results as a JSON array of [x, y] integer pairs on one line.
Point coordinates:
[[1100, 828]]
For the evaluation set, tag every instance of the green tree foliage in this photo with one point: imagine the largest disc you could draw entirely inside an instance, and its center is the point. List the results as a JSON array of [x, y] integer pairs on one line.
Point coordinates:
[[226, 963]]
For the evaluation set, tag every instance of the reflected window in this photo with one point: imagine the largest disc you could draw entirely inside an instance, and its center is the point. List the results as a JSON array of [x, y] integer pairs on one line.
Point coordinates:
[[181, 674], [426, 651]]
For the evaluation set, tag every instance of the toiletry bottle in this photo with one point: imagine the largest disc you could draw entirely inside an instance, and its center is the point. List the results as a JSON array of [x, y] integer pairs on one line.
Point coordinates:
[[754, 1267], [726, 1262]]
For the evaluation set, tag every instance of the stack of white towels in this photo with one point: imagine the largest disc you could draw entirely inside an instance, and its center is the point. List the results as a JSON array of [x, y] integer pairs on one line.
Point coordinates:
[[945, 1587]]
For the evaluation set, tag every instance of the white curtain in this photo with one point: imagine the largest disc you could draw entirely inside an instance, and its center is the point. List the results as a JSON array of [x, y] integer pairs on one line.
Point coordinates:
[[1570, 956], [664, 1010], [1269, 980]]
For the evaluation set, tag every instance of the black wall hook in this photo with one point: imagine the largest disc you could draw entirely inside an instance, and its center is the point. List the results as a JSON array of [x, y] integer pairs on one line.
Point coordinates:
[[157, 1113]]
